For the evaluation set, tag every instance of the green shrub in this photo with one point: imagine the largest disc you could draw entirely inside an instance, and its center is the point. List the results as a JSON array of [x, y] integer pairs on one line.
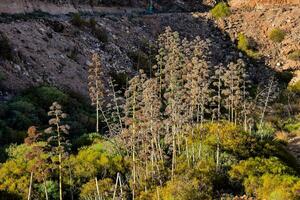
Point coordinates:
[[77, 20], [292, 127], [284, 76], [295, 87], [2, 77], [265, 130], [140, 60], [73, 54], [245, 45], [22, 106], [21, 115], [100, 34], [256, 175], [5, 48], [92, 23], [86, 140], [44, 96], [120, 79], [277, 35], [106, 188], [276, 187], [295, 55], [52, 189], [186, 189], [221, 10], [57, 26], [248, 168]]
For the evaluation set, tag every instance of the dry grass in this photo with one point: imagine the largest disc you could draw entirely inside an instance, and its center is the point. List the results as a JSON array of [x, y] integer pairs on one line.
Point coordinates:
[[281, 136]]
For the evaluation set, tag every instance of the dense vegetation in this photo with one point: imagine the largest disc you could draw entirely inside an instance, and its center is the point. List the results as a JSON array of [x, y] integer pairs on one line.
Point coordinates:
[[189, 130]]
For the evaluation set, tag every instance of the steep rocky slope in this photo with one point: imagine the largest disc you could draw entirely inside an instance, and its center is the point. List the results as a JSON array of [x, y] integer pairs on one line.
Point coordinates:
[[257, 24], [53, 51]]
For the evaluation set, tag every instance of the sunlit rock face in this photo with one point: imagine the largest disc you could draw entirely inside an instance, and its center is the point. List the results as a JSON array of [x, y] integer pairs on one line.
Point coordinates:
[[261, 3]]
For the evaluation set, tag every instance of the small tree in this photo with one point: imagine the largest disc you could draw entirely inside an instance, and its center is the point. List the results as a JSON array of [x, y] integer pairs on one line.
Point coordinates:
[[56, 140]]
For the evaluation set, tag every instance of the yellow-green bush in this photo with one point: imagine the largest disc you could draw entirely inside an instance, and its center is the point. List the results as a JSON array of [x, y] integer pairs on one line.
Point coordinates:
[[244, 45], [276, 187], [277, 35], [89, 190], [221, 10], [295, 55], [266, 178], [295, 87]]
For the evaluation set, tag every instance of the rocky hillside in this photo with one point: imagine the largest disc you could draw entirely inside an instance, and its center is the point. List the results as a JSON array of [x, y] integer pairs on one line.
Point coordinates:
[[116, 6], [258, 24], [54, 51]]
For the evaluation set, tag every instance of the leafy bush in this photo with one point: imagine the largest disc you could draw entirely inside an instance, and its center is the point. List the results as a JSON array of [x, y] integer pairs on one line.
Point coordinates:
[[266, 178], [245, 46], [265, 130], [86, 140], [21, 115], [2, 76], [247, 168], [221, 10], [73, 54], [44, 96], [100, 34], [106, 188], [77, 20], [284, 76], [295, 87], [292, 126], [52, 189], [140, 60], [92, 23], [31, 109], [295, 55], [120, 79], [186, 189], [277, 35], [56, 26], [278, 187], [5, 48]]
